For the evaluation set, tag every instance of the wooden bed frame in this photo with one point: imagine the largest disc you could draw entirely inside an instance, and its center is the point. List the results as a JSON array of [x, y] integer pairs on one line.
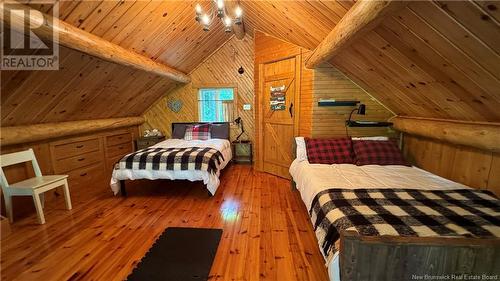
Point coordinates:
[[123, 190], [395, 258]]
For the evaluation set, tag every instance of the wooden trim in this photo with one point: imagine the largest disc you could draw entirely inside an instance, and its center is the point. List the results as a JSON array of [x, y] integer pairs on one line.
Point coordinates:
[[214, 85], [80, 40], [32, 133], [361, 18], [298, 90], [448, 240], [482, 135]]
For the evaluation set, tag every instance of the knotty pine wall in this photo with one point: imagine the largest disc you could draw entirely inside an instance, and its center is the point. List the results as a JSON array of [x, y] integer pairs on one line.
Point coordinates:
[[329, 121], [466, 165], [220, 69]]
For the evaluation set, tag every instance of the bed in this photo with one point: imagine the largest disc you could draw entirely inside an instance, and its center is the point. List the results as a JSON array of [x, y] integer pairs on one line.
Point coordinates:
[[312, 180], [178, 159]]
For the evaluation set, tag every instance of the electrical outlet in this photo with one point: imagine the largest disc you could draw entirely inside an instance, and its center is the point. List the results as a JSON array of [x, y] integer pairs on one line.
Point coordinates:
[[247, 106]]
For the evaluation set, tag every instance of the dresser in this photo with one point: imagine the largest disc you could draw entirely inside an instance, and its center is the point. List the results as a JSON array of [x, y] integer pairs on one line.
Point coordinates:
[[116, 146], [89, 160]]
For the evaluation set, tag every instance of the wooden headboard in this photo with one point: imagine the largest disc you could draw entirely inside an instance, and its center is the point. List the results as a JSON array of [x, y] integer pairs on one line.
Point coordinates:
[[224, 126]]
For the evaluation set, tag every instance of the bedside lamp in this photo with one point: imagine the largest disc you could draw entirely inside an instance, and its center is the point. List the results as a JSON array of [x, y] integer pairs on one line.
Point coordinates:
[[361, 111], [238, 121]]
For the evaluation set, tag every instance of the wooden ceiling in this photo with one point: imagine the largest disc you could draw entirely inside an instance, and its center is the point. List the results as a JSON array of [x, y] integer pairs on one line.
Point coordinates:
[[436, 59], [433, 59], [83, 88], [165, 31]]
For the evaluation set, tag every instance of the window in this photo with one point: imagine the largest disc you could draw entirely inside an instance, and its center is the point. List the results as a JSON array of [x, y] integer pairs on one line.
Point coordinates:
[[216, 104]]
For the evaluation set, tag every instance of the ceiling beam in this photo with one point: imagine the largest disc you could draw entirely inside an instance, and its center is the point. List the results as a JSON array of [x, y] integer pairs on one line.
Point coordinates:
[[363, 16], [482, 135], [80, 40], [239, 30], [32, 133]]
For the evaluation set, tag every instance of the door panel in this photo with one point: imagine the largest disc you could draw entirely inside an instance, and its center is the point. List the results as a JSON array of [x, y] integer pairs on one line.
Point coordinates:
[[278, 125]]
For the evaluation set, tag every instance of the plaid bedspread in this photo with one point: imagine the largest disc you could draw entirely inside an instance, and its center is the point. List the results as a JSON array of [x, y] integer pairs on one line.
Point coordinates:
[[404, 212], [190, 158]]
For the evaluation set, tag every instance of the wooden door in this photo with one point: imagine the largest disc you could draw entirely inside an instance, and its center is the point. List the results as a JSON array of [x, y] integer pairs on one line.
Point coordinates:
[[278, 125]]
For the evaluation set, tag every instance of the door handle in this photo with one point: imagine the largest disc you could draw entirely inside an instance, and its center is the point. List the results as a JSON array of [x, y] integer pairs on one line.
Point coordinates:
[[290, 109]]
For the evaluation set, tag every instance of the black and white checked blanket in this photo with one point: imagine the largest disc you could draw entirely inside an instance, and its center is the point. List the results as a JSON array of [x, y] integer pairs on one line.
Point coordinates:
[[173, 159], [404, 212]]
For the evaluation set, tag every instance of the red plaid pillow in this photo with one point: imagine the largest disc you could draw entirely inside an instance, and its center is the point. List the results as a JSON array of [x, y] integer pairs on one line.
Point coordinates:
[[197, 132], [329, 151], [378, 153]]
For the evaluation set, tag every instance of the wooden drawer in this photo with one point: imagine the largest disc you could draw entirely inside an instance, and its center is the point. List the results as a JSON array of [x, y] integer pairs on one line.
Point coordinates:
[[86, 176], [119, 150], [110, 162], [66, 150], [118, 139], [79, 161]]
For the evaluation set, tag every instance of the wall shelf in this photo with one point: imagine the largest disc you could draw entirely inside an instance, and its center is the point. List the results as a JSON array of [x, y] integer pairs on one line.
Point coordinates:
[[368, 124], [338, 103]]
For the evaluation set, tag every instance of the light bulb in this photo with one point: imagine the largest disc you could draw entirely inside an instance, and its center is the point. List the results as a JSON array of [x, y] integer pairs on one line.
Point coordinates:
[[238, 12], [227, 21], [198, 9], [205, 19], [220, 4]]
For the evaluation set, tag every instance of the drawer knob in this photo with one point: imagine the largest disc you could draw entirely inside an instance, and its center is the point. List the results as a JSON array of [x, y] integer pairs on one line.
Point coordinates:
[[81, 159], [120, 147], [79, 146], [82, 175]]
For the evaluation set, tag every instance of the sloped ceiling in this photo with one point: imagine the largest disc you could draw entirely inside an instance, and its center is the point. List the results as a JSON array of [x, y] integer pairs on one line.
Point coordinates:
[[435, 59], [89, 88]]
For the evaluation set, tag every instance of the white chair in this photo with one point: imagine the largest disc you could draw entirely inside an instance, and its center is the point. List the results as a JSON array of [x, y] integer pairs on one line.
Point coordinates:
[[34, 187]]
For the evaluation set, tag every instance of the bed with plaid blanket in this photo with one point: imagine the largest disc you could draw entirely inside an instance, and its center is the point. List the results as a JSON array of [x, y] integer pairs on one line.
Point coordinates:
[[173, 159], [403, 212]]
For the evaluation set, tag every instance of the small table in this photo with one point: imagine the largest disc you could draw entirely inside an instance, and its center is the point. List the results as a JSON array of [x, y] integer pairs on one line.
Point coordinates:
[[242, 152], [146, 142]]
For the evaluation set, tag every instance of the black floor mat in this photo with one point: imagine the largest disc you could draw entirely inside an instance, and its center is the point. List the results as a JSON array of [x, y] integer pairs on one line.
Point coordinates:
[[179, 254]]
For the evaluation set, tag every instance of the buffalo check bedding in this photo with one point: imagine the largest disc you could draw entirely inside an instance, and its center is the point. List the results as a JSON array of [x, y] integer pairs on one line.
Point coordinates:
[[173, 159], [403, 212]]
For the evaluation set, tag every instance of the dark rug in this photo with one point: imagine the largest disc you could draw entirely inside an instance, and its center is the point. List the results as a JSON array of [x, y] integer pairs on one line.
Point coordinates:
[[179, 254]]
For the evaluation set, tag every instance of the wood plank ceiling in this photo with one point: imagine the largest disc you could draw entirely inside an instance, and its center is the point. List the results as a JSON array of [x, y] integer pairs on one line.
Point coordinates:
[[436, 59], [433, 59], [165, 31]]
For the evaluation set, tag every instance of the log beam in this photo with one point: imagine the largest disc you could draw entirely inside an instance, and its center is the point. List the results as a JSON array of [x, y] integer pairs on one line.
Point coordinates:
[[239, 30], [482, 135], [80, 40], [45, 131], [363, 16]]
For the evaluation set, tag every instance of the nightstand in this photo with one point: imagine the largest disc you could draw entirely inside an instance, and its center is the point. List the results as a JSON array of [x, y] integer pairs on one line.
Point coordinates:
[[242, 152], [146, 142]]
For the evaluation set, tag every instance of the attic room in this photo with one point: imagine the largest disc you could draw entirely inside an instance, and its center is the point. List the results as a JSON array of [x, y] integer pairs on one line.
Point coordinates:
[[250, 140]]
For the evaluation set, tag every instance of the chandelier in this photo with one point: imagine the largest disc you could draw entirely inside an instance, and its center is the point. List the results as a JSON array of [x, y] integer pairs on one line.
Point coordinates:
[[218, 10]]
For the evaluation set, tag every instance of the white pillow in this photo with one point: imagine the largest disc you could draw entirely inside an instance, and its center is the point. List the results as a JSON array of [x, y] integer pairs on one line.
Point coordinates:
[[379, 138], [301, 149]]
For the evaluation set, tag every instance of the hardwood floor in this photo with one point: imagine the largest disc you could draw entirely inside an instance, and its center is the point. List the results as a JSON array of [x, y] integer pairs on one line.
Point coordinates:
[[267, 234]]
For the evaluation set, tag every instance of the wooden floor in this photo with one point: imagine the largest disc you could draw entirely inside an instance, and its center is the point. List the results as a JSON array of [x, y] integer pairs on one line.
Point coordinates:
[[267, 234]]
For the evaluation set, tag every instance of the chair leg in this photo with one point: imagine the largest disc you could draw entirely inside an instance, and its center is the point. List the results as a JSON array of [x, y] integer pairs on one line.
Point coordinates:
[[67, 197], [39, 209], [8, 207], [42, 199]]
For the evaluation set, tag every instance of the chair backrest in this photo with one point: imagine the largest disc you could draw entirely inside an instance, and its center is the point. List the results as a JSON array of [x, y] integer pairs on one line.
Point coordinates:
[[16, 158]]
